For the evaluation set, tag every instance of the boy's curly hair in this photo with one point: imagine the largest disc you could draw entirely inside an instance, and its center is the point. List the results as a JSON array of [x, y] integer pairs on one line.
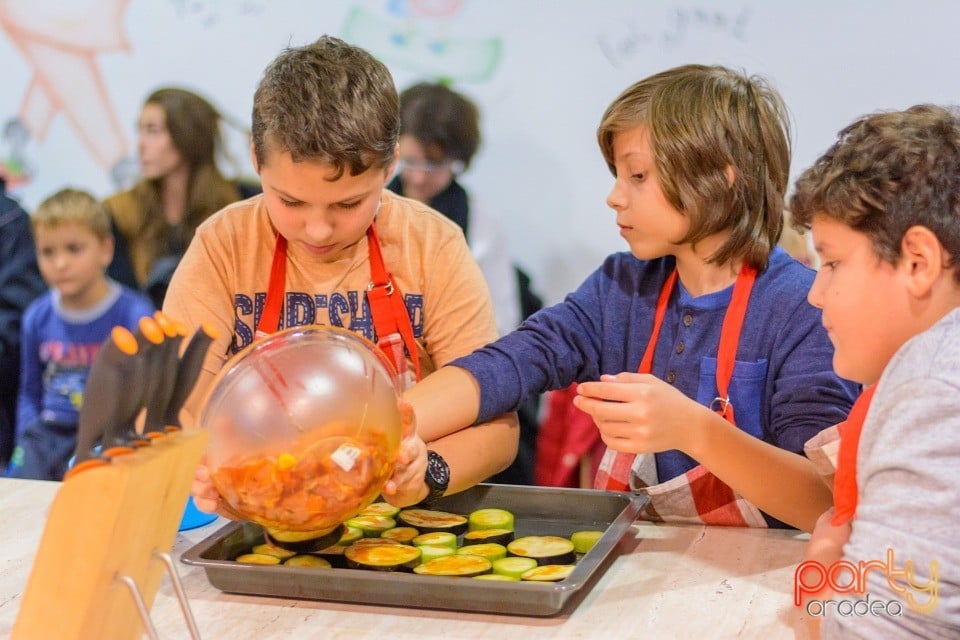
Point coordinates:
[[327, 101], [702, 120], [888, 172]]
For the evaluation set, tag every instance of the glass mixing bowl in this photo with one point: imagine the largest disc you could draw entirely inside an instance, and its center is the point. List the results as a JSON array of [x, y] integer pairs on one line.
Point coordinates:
[[304, 428]]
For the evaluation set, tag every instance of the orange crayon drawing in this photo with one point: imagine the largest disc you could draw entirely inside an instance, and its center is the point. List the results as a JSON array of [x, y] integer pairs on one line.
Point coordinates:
[[59, 41]]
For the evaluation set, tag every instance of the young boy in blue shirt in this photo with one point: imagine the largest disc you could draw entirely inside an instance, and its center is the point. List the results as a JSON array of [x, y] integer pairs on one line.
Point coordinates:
[[883, 205], [63, 329], [698, 346]]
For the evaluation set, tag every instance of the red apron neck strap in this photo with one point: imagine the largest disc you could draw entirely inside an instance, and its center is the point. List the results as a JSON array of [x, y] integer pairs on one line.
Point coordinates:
[[845, 491], [386, 302], [730, 338], [729, 334], [387, 308], [378, 270], [270, 318], [646, 364]]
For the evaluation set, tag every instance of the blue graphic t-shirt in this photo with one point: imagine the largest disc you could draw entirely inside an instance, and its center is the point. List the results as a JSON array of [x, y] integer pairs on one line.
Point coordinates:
[[58, 348]]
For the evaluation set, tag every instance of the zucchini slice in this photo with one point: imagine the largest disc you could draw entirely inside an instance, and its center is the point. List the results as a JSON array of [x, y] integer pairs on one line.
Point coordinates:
[[514, 566], [500, 536], [496, 576], [429, 521], [366, 542], [270, 550], [389, 556], [372, 526], [403, 535], [490, 519], [490, 550], [380, 509], [443, 538], [455, 565], [548, 573], [430, 552], [583, 541], [350, 535], [544, 549], [257, 558], [307, 561], [302, 541]]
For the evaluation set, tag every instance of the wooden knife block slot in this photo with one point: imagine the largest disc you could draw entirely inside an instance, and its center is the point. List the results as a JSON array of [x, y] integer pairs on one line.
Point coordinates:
[[105, 522]]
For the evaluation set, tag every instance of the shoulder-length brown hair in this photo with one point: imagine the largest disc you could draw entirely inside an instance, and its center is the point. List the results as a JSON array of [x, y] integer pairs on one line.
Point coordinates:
[[194, 127], [703, 120]]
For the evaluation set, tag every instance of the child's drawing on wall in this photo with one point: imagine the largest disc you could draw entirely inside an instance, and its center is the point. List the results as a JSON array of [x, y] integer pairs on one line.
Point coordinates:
[[60, 41], [414, 36]]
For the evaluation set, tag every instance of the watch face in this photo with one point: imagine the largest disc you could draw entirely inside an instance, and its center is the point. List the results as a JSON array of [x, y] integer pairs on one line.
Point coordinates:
[[438, 472]]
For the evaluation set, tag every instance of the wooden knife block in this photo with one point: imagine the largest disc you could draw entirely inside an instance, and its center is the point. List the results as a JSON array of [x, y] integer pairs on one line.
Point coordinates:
[[105, 522]]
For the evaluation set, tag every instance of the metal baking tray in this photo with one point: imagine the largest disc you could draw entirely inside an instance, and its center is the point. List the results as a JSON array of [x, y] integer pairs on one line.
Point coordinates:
[[537, 511]]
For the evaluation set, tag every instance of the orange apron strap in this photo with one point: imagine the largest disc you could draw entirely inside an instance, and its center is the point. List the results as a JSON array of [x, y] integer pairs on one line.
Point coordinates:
[[616, 472], [389, 313], [845, 480], [270, 319], [646, 364], [386, 302], [730, 339]]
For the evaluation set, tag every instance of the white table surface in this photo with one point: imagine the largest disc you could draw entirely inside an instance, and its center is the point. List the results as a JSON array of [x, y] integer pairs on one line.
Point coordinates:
[[667, 581]]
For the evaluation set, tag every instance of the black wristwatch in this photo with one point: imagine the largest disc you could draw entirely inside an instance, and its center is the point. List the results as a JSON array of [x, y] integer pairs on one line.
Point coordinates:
[[437, 476]]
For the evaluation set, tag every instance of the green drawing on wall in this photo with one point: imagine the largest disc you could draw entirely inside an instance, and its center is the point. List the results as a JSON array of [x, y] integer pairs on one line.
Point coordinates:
[[401, 43]]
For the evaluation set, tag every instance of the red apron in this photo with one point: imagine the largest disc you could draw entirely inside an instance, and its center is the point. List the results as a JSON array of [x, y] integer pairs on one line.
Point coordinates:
[[845, 490], [697, 495], [389, 313]]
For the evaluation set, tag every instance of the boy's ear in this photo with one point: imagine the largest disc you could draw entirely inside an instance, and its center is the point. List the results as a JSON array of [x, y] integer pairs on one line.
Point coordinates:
[[921, 259], [108, 245]]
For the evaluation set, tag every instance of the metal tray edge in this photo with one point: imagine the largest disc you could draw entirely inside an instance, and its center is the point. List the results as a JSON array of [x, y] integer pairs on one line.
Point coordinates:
[[471, 595]]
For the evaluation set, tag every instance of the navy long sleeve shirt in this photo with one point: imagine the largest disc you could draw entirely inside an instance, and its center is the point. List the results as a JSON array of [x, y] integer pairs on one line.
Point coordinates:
[[783, 390]]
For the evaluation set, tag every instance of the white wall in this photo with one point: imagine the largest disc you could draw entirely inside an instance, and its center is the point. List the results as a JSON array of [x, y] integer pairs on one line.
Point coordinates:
[[542, 72]]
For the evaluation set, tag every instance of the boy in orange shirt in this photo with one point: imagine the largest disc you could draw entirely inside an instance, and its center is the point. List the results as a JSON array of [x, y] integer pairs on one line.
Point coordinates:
[[883, 205], [326, 243]]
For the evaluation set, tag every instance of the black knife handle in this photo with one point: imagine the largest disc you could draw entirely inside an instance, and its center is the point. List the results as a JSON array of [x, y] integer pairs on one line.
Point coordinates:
[[191, 363], [165, 375], [111, 370]]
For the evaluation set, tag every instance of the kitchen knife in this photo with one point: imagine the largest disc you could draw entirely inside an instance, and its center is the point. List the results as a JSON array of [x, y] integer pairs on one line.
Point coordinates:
[[104, 402], [165, 375], [191, 363], [135, 389]]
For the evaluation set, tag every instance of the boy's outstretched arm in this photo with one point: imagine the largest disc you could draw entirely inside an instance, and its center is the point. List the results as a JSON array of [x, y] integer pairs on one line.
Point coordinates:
[[784, 484], [445, 402], [639, 413]]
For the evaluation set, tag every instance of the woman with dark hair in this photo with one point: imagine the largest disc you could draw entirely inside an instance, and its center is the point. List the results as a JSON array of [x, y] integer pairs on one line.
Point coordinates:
[[178, 138]]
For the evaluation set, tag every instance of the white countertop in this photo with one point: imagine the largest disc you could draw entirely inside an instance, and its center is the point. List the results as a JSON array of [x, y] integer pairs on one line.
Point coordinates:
[[667, 581]]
